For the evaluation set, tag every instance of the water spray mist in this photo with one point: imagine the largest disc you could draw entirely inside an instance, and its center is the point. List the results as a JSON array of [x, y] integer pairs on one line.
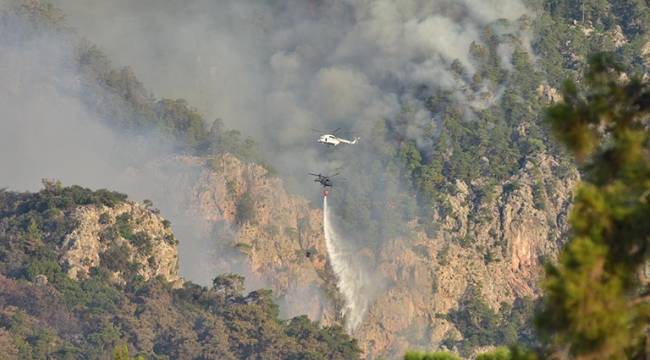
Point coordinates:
[[350, 277]]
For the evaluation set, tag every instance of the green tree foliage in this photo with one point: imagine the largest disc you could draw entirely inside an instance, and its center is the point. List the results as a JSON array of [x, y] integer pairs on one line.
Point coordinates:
[[409, 178], [482, 326], [514, 353], [563, 46], [230, 285], [32, 226], [498, 354], [416, 355], [96, 317], [320, 343], [222, 140], [594, 303], [121, 353], [185, 124]]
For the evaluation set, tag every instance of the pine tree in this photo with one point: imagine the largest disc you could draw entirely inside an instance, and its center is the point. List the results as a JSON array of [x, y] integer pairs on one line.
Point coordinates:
[[596, 303]]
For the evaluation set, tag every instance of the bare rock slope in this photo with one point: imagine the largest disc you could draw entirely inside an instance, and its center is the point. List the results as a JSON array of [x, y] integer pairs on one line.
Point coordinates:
[[495, 242], [279, 234], [129, 230]]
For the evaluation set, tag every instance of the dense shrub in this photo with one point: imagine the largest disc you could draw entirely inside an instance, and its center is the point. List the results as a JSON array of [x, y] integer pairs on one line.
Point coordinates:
[[92, 316]]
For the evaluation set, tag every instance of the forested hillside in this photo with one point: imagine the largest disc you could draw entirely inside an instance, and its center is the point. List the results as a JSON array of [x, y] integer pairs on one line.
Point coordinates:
[[489, 144], [116, 94], [486, 150], [450, 204], [51, 309]]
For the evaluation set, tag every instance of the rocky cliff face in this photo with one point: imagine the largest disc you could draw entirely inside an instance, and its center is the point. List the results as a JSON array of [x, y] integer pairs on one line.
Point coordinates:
[[491, 237], [495, 242], [278, 235], [128, 232]]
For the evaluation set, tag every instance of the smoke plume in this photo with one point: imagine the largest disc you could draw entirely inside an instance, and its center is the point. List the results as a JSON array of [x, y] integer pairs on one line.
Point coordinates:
[[276, 69]]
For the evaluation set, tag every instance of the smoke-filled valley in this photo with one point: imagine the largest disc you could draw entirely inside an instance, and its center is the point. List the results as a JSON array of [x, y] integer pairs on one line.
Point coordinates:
[[433, 235]]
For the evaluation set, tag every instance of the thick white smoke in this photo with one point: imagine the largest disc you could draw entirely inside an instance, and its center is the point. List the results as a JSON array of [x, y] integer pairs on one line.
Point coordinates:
[[276, 69], [351, 276]]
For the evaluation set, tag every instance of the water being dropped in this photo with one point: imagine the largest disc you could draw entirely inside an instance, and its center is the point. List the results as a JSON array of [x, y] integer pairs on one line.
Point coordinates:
[[350, 276]]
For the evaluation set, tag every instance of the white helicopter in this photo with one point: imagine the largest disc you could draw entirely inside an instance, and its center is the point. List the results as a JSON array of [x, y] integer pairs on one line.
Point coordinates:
[[333, 140]]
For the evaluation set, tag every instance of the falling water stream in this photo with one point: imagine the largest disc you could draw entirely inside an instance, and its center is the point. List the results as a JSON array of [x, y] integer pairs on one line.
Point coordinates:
[[350, 277]]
